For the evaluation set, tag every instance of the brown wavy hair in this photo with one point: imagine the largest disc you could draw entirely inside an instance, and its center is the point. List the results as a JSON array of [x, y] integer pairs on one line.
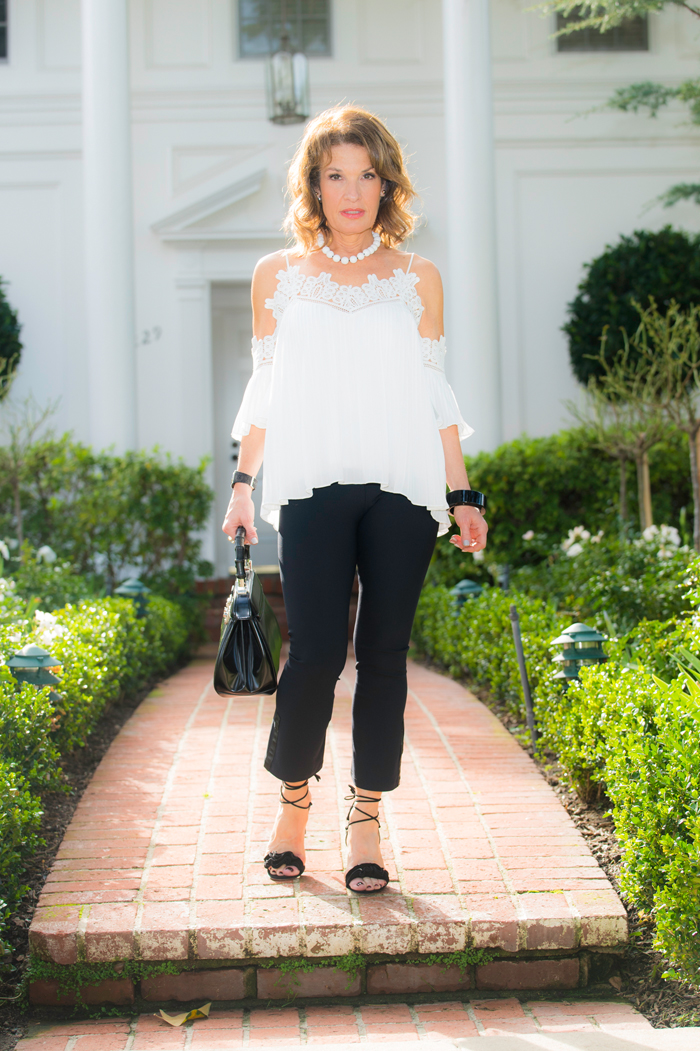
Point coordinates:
[[334, 127]]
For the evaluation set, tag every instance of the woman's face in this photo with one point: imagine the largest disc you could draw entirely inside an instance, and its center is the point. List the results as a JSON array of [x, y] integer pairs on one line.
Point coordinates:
[[350, 190]]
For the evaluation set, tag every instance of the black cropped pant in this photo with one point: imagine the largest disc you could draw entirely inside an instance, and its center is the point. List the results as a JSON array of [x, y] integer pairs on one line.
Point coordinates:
[[322, 540]]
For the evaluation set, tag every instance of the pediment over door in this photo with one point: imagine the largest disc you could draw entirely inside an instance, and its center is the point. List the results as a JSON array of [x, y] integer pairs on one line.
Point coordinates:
[[239, 205]]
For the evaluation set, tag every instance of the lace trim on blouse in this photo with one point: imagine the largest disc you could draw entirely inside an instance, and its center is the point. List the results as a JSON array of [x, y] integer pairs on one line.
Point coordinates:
[[434, 351], [263, 350], [292, 284]]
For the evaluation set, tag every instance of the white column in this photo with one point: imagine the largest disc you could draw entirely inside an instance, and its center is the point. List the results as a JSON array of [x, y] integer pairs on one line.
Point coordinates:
[[471, 285], [109, 253]]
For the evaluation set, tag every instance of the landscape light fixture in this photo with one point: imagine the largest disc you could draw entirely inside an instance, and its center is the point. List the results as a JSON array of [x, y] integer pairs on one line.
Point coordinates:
[[463, 590], [35, 666], [582, 646], [137, 592]]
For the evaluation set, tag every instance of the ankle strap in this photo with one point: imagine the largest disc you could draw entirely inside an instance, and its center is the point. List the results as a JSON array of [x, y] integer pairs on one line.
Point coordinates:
[[295, 802], [354, 808], [361, 799]]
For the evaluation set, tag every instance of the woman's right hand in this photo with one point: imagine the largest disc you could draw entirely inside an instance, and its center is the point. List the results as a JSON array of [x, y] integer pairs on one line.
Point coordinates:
[[241, 512]]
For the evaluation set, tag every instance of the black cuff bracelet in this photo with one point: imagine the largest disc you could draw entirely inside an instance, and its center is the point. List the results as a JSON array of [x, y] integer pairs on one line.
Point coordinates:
[[468, 497], [240, 476]]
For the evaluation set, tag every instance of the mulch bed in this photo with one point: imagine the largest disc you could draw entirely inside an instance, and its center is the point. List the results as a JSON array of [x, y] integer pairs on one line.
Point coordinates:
[[639, 981]]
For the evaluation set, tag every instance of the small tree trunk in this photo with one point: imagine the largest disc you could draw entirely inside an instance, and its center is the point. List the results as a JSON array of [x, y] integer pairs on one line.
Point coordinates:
[[18, 514], [695, 482], [644, 492], [623, 489]]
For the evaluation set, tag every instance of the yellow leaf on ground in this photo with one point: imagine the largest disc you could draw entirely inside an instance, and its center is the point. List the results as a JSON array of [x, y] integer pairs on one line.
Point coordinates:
[[189, 1016]]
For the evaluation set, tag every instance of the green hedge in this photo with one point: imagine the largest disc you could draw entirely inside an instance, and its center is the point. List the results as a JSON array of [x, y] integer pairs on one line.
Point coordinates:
[[107, 516], [621, 730], [638, 736], [477, 640], [105, 652], [550, 485]]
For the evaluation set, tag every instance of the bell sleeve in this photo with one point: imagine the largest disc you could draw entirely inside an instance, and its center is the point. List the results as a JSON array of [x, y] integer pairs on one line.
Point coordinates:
[[256, 399], [442, 396]]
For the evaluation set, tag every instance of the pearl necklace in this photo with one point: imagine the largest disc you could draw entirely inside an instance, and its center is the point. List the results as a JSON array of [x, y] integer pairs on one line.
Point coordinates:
[[376, 240]]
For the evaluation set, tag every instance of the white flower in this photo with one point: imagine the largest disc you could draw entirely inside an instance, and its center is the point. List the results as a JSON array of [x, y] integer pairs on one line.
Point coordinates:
[[598, 537], [665, 537], [573, 550], [530, 535], [45, 621], [48, 628], [4, 550], [669, 535], [478, 556], [46, 554], [576, 534]]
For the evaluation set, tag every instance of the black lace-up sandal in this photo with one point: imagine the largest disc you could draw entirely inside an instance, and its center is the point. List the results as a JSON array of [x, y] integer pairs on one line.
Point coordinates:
[[367, 870], [287, 859]]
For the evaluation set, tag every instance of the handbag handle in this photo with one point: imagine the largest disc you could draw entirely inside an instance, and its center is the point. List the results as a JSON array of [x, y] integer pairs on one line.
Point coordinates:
[[241, 553]]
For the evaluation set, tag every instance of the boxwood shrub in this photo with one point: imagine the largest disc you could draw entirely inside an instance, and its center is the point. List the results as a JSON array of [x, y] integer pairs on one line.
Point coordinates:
[[106, 652], [476, 640], [629, 729], [638, 735]]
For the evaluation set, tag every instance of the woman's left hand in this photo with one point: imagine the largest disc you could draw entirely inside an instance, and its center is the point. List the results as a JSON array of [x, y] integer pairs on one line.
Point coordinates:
[[472, 529]]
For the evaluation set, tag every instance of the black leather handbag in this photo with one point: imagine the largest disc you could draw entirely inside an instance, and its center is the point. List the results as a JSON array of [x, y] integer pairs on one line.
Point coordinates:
[[249, 650]]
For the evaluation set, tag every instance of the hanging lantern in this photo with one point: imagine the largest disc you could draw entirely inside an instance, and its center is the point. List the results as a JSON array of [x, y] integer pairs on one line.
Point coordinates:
[[582, 646], [287, 84]]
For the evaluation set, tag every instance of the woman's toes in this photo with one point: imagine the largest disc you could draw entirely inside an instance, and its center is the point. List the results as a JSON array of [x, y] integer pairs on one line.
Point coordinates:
[[288, 870], [366, 884]]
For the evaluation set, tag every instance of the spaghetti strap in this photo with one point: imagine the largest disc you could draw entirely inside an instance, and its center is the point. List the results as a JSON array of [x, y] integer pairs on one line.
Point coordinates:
[[410, 263], [286, 256]]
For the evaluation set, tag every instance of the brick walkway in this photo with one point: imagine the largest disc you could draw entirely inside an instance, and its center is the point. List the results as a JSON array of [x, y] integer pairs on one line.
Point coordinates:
[[162, 858], [291, 1026]]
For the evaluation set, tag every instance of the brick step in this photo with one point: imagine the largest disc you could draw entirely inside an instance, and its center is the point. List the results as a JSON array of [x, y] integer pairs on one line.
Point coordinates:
[[371, 981], [506, 1024], [162, 861]]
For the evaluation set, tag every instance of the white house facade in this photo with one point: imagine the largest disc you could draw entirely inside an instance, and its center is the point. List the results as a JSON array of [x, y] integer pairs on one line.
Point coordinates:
[[140, 180]]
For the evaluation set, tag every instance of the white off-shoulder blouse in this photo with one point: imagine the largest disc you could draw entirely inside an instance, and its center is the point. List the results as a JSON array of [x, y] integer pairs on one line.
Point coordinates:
[[349, 392]]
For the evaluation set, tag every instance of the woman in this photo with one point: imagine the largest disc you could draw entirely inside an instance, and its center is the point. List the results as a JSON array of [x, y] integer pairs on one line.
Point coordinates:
[[349, 401]]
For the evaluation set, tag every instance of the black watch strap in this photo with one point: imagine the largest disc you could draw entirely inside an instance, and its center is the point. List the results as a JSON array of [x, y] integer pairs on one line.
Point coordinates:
[[241, 476], [466, 497]]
